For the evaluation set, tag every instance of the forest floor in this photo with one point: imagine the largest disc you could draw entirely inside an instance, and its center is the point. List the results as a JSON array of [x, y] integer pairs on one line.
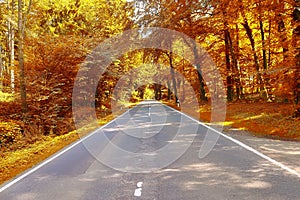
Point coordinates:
[[261, 119], [271, 120]]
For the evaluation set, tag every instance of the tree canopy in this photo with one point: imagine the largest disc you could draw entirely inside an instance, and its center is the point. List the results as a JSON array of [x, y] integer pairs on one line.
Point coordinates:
[[254, 44]]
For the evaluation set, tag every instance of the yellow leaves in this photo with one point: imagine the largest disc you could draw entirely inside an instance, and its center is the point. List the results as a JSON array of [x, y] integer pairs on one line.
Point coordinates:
[[149, 93], [13, 163], [9, 132], [52, 29], [6, 97], [57, 3]]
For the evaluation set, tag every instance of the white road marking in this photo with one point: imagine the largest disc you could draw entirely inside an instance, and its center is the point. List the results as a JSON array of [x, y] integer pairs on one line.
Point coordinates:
[[138, 191], [14, 181], [149, 109], [243, 145], [30, 171], [139, 184]]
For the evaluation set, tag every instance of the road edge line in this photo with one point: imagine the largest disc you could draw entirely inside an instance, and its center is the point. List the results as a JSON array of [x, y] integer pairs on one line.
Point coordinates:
[[56, 155], [247, 147]]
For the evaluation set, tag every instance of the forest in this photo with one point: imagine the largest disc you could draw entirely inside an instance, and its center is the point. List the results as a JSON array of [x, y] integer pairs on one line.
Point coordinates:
[[43, 43]]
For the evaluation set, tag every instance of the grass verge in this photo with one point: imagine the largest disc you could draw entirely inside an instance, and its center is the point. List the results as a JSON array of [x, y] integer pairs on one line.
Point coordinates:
[[15, 162], [270, 120]]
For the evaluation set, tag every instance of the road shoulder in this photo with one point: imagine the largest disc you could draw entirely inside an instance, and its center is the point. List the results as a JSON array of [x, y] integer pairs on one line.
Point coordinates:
[[285, 152]]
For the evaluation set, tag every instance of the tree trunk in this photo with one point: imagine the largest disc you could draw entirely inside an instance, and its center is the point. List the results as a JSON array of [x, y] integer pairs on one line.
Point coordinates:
[[229, 80], [173, 77], [269, 43], [235, 69], [256, 61], [1, 70], [21, 30], [160, 93], [296, 41], [238, 85], [265, 62], [169, 91], [157, 91], [141, 92], [252, 42], [157, 87], [200, 78], [281, 28], [233, 77], [202, 91], [11, 47]]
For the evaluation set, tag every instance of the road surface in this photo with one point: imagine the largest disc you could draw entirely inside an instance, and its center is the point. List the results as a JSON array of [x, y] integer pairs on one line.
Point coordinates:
[[230, 171]]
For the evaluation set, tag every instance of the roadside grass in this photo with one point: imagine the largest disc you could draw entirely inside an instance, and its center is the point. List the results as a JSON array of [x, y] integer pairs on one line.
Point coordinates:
[[270, 120], [15, 162], [269, 125]]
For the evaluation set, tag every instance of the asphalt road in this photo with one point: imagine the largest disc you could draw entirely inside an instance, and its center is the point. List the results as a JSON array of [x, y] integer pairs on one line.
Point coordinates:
[[122, 161]]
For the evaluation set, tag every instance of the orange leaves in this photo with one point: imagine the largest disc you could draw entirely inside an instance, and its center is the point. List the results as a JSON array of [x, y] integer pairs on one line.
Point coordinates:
[[9, 132], [51, 71]]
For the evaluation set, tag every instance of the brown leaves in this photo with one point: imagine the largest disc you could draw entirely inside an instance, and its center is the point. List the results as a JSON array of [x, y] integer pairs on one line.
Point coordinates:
[[10, 131], [50, 77]]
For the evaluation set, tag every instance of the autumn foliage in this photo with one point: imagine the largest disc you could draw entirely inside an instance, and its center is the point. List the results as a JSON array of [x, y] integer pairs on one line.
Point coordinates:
[[254, 44]]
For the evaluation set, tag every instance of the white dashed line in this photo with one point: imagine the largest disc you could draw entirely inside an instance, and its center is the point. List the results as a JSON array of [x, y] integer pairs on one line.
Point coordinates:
[[138, 191], [139, 184]]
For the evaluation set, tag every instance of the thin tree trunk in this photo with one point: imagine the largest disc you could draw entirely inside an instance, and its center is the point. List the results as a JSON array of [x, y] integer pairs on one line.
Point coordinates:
[[232, 69], [173, 76], [160, 93], [233, 75], [229, 80], [239, 87], [296, 41], [256, 61], [1, 70], [252, 42], [281, 28], [169, 91], [157, 87], [265, 63], [202, 91], [269, 48], [11, 46], [200, 77], [157, 91], [235, 68], [183, 85], [21, 30]]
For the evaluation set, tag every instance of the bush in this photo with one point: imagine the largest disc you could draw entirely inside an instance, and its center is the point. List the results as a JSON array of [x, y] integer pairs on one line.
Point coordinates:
[[9, 133], [51, 72]]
